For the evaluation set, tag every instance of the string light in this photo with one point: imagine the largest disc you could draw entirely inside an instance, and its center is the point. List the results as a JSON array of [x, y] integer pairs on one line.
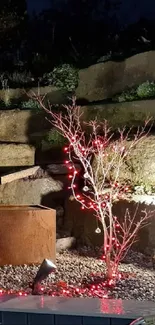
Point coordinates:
[[105, 202], [98, 230], [85, 188]]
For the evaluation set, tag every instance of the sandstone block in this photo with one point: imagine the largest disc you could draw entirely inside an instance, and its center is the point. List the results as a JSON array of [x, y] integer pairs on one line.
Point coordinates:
[[16, 155], [104, 80]]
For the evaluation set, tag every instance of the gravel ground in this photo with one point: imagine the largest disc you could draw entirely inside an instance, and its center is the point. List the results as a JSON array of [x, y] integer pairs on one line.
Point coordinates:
[[81, 274]]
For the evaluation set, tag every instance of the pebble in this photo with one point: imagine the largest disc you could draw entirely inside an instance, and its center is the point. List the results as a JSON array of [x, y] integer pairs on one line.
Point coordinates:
[[75, 275]]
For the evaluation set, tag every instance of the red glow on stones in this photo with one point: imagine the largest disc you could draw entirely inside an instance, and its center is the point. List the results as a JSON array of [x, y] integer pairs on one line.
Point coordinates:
[[96, 286], [107, 306]]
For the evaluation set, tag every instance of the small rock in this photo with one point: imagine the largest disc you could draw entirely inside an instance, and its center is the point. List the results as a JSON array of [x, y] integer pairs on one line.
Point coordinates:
[[63, 244]]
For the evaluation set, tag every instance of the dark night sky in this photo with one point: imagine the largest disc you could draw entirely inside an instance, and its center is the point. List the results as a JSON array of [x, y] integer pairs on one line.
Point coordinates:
[[130, 11]]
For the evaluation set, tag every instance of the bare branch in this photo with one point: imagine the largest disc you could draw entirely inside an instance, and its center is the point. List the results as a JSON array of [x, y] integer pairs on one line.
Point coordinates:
[[100, 191]]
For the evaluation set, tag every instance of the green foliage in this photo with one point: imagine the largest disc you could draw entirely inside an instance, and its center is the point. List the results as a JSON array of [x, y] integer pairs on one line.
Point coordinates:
[[126, 96], [16, 79], [5, 104], [54, 138], [146, 90], [64, 77], [30, 104], [20, 78]]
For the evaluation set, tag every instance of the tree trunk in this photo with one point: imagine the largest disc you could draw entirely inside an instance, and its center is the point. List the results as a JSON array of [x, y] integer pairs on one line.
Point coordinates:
[[111, 268]]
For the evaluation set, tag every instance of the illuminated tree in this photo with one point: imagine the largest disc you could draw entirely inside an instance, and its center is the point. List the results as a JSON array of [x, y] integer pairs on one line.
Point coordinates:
[[102, 186]]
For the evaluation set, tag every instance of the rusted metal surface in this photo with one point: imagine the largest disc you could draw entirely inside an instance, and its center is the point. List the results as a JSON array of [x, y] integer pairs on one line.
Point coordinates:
[[27, 234]]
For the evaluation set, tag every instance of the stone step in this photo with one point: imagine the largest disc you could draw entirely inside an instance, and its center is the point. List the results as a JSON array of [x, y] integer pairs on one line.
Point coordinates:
[[36, 191], [62, 310], [106, 79], [19, 125], [16, 155], [129, 114], [15, 175]]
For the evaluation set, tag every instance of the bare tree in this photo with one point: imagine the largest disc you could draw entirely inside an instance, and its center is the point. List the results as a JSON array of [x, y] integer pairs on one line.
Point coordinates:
[[102, 185]]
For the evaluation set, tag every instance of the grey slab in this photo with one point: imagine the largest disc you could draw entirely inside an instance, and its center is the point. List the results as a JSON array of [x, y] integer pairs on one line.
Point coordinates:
[[92, 307]]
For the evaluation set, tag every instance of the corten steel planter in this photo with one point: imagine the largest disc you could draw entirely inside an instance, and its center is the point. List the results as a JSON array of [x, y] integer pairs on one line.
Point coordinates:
[[27, 234]]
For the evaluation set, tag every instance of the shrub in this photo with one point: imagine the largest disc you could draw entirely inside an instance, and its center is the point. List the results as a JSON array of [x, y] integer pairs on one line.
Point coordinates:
[[30, 104], [64, 77], [20, 78], [126, 96], [146, 90], [54, 138]]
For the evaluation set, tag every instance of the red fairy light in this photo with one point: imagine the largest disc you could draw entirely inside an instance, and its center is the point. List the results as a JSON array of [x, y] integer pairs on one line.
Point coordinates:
[[70, 167], [70, 176], [78, 196], [110, 283], [103, 205], [66, 162], [75, 172], [65, 149], [82, 208]]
